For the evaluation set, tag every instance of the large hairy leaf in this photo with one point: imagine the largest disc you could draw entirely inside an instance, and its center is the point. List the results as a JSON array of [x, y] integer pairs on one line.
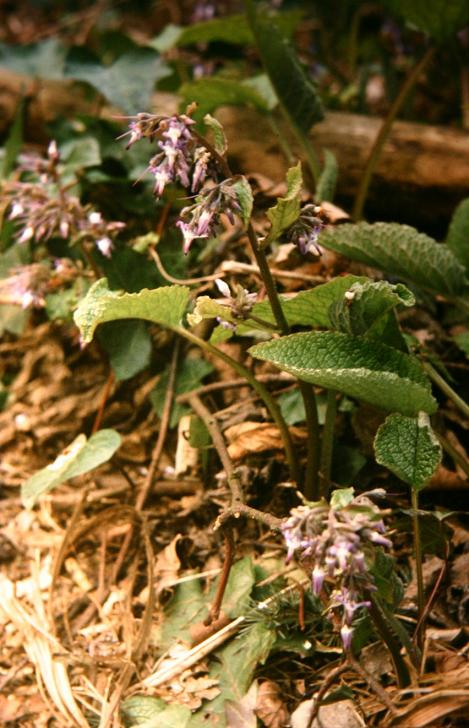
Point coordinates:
[[408, 446], [358, 367], [79, 457], [295, 90], [364, 304], [458, 233], [165, 306], [438, 18], [402, 251]]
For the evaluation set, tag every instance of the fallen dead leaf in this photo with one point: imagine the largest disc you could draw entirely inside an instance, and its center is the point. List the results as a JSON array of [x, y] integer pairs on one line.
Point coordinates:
[[336, 715], [241, 713], [270, 707], [249, 437]]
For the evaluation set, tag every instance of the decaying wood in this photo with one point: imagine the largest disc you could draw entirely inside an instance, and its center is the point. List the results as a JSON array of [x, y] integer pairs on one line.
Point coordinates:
[[426, 168]]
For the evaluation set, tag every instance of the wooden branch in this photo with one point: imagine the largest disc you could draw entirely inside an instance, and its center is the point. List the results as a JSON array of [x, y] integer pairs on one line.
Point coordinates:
[[426, 167]]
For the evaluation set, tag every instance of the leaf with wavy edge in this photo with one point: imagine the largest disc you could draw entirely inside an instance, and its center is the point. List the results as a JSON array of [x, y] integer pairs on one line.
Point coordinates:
[[409, 448], [165, 306], [401, 251], [365, 304], [358, 367]]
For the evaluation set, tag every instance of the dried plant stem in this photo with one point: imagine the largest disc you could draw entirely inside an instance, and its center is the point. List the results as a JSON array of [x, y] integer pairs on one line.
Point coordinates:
[[105, 396], [325, 686], [259, 388], [328, 443], [214, 612], [418, 566], [158, 449], [374, 685], [383, 133], [446, 388]]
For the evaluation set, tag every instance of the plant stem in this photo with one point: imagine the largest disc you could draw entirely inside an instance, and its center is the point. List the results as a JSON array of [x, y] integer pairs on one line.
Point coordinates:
[[285, 146], [418, 562], [258, 387], [446, 388], [457, 457], [402, 671], [376, 149], [268, 280], [327, 443], [311, 486]]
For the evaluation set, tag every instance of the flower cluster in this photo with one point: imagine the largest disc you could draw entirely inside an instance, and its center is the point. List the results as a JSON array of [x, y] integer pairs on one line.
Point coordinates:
[[336, 542], [28, 285], [43, 209], [203, 219], [305, 231]]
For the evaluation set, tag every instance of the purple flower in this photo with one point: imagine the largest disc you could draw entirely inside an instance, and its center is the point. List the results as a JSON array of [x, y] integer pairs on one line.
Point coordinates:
[[305, 231], [346, 634]]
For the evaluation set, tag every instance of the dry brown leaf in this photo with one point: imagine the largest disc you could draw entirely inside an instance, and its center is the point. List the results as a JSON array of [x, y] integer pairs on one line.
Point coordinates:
[[342, 714], [270, 707], [241, 713], [249, 437]]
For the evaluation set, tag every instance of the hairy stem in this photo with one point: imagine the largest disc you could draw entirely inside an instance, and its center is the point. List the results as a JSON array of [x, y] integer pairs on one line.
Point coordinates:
[[328, 443], [418, 564], [383, 133], [259, 388], [446, 388]]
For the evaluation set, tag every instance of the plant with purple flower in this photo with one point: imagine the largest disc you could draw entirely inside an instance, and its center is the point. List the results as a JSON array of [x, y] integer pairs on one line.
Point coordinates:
[[337, 543], [305, 231]]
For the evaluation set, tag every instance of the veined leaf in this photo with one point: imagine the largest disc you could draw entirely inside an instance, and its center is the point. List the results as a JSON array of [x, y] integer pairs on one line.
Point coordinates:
[[358, 367], [216, 128], [295, 90], [165, 306], [79, 457], [212, 92], [287, 210], [458, 233], [145, 711], [438, 18], [311, 308], [244, 197], [409, 448], [365, 303], [401, 251], [128, 345]]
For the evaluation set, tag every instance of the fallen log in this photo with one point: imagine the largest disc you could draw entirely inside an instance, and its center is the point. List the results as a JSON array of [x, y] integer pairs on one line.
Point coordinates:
[[422, 175]]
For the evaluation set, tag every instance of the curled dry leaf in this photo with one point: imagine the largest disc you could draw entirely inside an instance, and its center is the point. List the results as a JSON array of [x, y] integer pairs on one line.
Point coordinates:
[[270, 707]]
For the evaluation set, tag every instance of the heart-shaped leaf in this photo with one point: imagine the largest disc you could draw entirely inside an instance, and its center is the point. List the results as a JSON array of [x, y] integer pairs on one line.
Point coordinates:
[[409, 448], [361, 368], [165, 306], [79, 457], [401, 251]]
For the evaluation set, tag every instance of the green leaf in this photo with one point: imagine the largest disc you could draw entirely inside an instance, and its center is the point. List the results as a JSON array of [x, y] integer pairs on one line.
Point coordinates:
[[39, 60], [325, 188], [401, 251], [79, 457], [287, 210], [14, 140], [128, 345], [209, 308], [165, 306], [369, 371], [80, 153], [148, 712], [310, 308], [409, 448], [341, 498], [458, 233], [212, 92], [438, 18], [128, 83], [262, 85], [239, 587], [199, 436], [292, 406], [219, 137], [244, 197], [365, 303], [187, 606], [189, 376], [294, 88], [462, 340]]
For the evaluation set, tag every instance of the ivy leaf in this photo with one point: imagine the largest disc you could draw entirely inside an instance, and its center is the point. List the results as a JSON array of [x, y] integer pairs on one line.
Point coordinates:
[[368, 371], [165, 306], [79, 457], [327, 181], [311, 308], [409, 448], [365, 303], [118, 82], [128, 345], [287, 210], [440, 19], [401, 251], [294, 89], [39, 60], [458, 233], [244, 198], [219, 137]]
